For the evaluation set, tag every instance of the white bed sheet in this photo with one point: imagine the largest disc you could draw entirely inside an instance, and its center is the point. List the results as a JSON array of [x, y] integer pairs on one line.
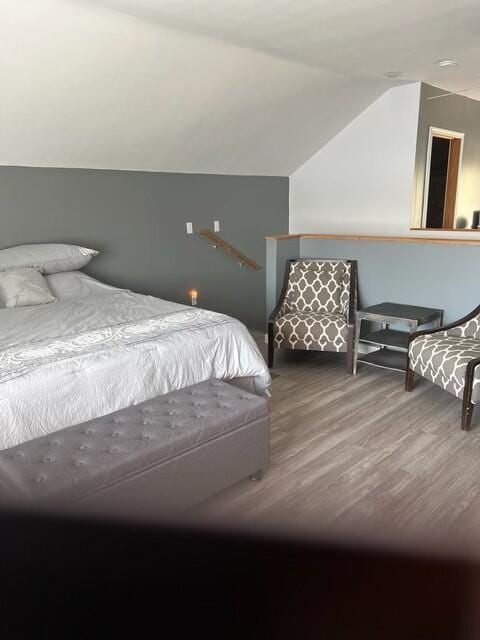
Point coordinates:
[[100, 349]]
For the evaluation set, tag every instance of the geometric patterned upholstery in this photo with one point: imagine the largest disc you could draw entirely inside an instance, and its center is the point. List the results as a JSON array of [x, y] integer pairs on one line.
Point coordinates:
[[468, 329], [314, 287], [318, 331], [442, 358], [314, 314]]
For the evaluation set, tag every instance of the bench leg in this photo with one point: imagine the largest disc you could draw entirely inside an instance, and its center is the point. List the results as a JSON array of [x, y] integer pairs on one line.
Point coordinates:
[[258, 475]]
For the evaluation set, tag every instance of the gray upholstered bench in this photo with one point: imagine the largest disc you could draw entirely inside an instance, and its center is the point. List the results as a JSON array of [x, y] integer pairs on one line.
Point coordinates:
[[164, 454]]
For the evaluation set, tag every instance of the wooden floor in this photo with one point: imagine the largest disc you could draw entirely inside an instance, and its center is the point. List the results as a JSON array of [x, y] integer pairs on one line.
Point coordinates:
[[357, 457]]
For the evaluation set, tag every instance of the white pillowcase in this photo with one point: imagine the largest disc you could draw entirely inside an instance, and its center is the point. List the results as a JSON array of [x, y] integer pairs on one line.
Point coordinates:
[[47, 258], [24, 288]]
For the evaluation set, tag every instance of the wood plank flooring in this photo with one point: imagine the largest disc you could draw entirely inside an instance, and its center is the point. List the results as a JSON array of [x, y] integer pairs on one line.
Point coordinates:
[[357, 457]]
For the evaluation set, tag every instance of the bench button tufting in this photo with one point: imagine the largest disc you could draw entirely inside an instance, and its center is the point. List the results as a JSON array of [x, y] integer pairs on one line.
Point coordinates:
[[40, 479]]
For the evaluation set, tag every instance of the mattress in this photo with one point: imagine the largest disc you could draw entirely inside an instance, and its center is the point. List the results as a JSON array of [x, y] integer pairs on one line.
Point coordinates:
[[100, 349]]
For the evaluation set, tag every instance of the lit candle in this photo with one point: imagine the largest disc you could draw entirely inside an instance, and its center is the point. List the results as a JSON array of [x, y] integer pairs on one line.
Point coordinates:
[[193, 296]]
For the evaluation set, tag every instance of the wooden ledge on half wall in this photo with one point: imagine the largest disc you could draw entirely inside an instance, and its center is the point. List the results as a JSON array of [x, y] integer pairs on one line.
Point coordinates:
[[421, 239]]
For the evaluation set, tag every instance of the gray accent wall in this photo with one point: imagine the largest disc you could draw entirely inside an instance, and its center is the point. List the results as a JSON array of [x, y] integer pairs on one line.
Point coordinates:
[[442, 276], [137, 221]]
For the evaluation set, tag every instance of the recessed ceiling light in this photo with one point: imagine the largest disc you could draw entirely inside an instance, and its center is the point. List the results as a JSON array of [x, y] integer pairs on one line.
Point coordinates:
[[446, 63], [394, 74]]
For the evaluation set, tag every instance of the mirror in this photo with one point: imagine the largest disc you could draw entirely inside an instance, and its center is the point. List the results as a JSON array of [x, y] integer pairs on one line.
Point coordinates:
[[447, 165]]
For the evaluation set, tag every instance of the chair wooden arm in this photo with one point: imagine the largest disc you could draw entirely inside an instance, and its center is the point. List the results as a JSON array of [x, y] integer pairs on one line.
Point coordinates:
[[353, 301], [446, 327], [273, 316]]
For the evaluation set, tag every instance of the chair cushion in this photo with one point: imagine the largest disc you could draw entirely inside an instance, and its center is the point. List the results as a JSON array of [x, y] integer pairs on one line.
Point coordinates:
[[315, 286], [443, 359], [316, 331]]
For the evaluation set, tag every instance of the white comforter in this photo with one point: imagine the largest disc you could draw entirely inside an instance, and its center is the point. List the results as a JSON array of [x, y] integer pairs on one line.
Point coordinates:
[[100, 349]]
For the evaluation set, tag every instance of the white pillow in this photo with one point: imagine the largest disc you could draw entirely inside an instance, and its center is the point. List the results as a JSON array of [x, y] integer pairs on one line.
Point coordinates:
[[24, 288], [47, 258]]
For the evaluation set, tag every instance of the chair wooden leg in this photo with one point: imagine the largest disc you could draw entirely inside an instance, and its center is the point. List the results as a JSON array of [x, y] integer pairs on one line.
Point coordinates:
[[467, 413], [350, 351], [409, 379], [467, 406], [271, 348]]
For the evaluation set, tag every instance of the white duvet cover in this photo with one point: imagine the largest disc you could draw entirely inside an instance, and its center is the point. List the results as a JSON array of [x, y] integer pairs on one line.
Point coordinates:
[[100, 349]]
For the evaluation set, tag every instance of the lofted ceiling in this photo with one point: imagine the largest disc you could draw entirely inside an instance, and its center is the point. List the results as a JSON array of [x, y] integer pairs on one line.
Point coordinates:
[[353, 37], [211, 86]]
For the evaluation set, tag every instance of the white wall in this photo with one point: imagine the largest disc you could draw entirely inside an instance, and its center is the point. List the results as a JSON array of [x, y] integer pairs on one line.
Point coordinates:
[[361, 181]]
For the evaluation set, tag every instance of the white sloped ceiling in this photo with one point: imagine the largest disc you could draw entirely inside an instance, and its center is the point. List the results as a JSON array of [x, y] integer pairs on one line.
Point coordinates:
[[85, 86], [355, 37]]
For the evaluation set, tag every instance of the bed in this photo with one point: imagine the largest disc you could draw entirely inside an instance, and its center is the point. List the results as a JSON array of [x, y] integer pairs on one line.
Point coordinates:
[[99, 349]]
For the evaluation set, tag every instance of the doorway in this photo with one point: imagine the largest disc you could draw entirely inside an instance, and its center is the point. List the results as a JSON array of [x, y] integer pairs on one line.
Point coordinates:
[[441, 178]]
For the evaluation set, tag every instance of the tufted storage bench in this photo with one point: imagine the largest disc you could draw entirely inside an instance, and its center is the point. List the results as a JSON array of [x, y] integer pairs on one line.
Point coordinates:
[[164, 454]]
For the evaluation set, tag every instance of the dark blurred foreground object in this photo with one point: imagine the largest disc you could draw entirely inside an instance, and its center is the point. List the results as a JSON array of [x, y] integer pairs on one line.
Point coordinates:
[[476, 220], [70, 578]]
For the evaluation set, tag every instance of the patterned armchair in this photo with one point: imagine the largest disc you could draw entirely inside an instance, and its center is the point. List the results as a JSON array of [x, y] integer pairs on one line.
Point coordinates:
[[450, 357], [316, 309]]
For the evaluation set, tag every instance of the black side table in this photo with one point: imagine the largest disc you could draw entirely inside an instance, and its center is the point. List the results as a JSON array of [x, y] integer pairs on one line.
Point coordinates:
[[393, 343]]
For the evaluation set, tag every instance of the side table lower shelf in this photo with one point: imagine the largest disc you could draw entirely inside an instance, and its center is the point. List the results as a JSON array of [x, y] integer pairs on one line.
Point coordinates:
[[386, 359], [387, 338], [392, 343]]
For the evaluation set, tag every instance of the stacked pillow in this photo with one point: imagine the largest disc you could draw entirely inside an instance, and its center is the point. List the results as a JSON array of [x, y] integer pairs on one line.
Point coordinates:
[[22, 271]]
